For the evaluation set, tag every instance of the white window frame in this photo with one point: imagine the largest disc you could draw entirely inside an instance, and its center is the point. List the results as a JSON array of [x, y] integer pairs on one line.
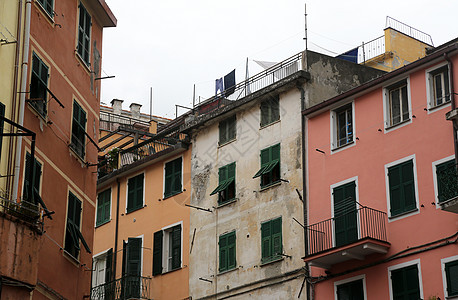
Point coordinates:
[[444, 276], [334, 128], [387, 186], [166, 249], [348, 280], [127, 189], [436, 189], [387, 107], [403, 265], [163, 175], [430, 88], [99, 256], [352, 179]]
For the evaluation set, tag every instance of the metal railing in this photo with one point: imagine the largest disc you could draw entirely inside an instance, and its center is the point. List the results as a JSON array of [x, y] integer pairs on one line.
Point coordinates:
[[110, 121], [257, 82], [447, 181], [409, 30], [371, 49], [370, 223], [142, 150], [24, 210], [126, 287]]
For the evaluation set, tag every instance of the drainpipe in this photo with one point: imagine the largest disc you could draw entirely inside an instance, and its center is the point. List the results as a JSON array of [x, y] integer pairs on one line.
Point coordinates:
[[453, 104], [115, 252], [25, 62], [15, 82]]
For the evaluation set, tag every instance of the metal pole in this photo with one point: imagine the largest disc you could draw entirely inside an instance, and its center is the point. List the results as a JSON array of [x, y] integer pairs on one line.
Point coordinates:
[[151, 103]]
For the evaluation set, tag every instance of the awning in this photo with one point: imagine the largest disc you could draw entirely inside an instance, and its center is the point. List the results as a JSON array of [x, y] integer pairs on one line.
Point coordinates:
[[222, 186], [266, 168]]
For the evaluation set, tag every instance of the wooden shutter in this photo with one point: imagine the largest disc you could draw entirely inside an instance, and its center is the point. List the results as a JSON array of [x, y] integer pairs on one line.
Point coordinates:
[[124, 258], [168, 179], [276, 237], [231, 260], [394, 179], [176, 247], [405, 283], [139, 191], [408, 184], [232, 128], [177, 175], [157, 253], [109, 266], [134, 247], [345, 216], [266, 240], [100, 209], [222, 253]]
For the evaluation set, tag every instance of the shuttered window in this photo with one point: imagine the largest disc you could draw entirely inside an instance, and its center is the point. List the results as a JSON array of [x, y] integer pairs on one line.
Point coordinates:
[[78, 140], [31, 172], [226, 186], [84, 34], [351, 291], [167, 250], [270, 166], [135, 193], [405, 283], [39, 86], [447, 180], [270, 111], [132, 257], [73, 235], [227, 130], [227, 258], [103, 207], [451, 273], [173, 174], [345, 216], [271, 239], [402, 188]]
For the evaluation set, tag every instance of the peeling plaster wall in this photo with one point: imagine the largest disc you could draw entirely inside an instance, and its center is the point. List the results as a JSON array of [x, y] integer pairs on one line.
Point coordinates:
[[252, 206]]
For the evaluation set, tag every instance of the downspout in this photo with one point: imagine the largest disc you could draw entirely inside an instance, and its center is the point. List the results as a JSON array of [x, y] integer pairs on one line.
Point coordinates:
[[453, 104], [115, 252], [15, 82], [25, 62]]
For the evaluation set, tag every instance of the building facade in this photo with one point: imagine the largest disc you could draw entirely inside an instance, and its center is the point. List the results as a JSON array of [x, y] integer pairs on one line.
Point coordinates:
[[382, 186]]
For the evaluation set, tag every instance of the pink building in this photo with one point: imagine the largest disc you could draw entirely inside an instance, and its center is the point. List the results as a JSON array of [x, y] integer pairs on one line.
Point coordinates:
[[382, 186]]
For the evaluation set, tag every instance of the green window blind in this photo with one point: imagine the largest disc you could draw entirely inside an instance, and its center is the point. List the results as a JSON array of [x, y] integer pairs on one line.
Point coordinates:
[[48, 6], [270, 166], [133, 268], [78, 141], [157, 253], [73, 234], [135, 193], [271, 239], [103, 207], [173, 175], [405, 283], [227, 130], [351, 291], [345, 214], [84, 34], [447, 180], [227, 250], [270, 111], [402, 188], [451, 272], [226, 186], [39, 85], [175, 235]]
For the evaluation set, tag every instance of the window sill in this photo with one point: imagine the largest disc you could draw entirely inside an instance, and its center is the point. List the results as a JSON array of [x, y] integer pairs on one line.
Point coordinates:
[[134, 209], [226, 143], [227, 271], [171, 195], [274, 260], [72, 151], [403, 214], [171, 271], [71, 258], [271, 185], [227, 202], [103, 223], [86, 66], [391, 127], [45, 13], [343, 146], [37, 113], [438, 107], [267, 125]]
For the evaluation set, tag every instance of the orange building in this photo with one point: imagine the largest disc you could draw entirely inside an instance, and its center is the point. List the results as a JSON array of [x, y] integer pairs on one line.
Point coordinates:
[[382, 185], [141, 240], [59, 95]]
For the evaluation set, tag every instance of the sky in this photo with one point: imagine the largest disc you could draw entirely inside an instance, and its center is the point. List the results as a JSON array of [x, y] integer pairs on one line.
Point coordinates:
[[173, 45]]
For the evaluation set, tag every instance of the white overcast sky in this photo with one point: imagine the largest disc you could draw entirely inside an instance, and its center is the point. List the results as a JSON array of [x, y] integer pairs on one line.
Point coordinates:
[[170, 45]]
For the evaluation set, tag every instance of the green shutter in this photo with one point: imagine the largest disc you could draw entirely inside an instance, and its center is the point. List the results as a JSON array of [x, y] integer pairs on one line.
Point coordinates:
[[33, 170], [176, 247], [78, 129], [351, 291], [73, 235], [231, 250], [345, 216], [222, 253], [135, 193], [157, 253], [405, 283], [227, 252], [173, 174], [266, 239], [103, 207], [109, 288], [276, 238], [271, 240], [84, 33], [451, 272], [402, 188], [133, 267], [232, 128]]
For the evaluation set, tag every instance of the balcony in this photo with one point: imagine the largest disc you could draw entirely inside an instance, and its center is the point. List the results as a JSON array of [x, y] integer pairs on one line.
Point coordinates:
[[351, 235], [126, 287], [447, 182]]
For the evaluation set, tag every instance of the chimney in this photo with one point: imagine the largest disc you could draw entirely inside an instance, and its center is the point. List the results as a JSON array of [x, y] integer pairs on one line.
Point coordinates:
[[117, 106], [135, 110]]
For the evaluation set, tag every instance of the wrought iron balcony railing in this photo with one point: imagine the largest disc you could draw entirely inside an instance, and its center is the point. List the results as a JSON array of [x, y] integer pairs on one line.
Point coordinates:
[[24, 210], [347, 228], [447, 182], [126, 287]]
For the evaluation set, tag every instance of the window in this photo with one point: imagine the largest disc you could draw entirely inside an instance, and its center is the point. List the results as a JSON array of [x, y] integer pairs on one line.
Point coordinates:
[[398, 103], [447, 181], [270, 111], [135, 193], [351, 291], [405, 283], [270, 166], [173, 177], [402, 188], [132, 268], [84, 35], [227, 130], [103, 207], [32, 173], [73, 234], [78, 141], [271, 239], [167, 250], [226, 187], [102, 273], [39, 86], [227, 251], [2, 114], [439, 86], [345, 214], [342, 119], [48, 6], [451, 278]]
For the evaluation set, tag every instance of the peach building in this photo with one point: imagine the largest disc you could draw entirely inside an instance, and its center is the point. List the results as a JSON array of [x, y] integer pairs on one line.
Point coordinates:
[[382, 185]]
